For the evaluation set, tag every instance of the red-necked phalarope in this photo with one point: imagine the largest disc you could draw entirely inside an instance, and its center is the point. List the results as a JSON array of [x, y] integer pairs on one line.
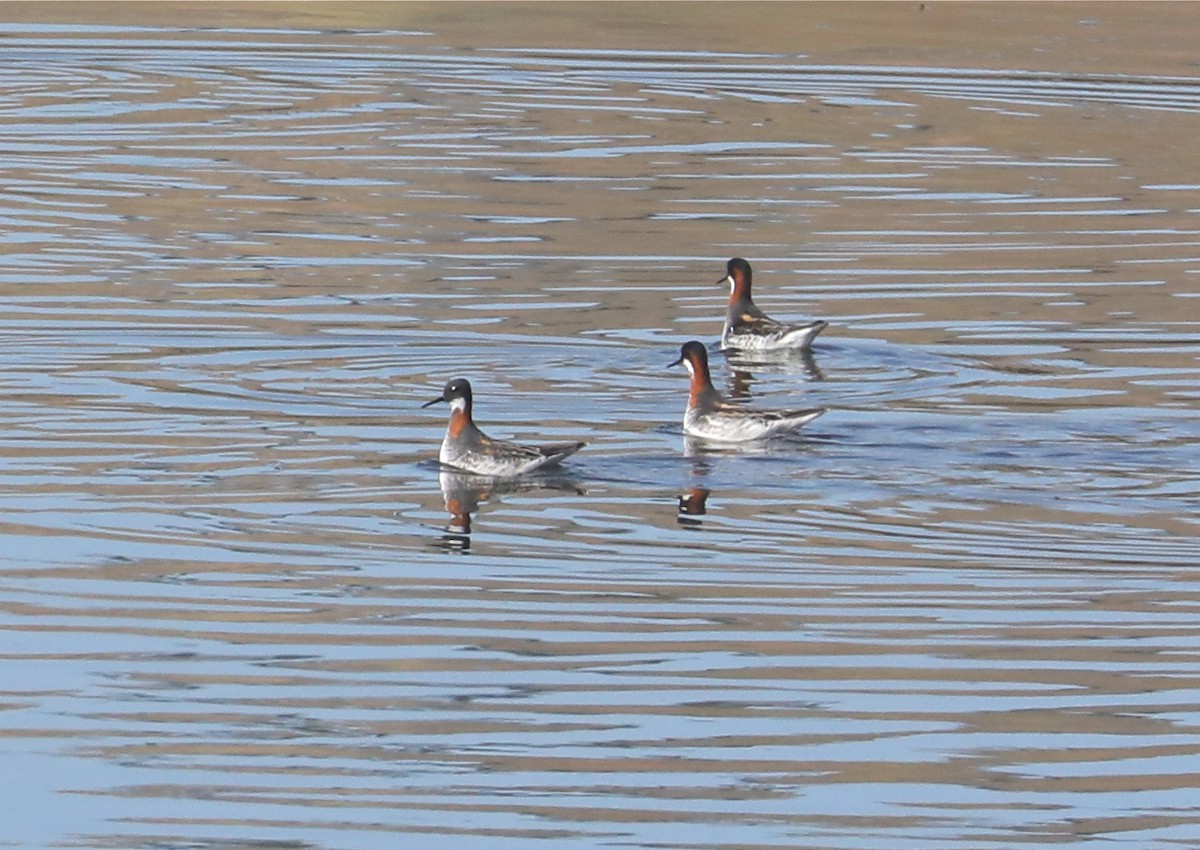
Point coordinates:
[[711, 417], [467, 448], [749, 328]]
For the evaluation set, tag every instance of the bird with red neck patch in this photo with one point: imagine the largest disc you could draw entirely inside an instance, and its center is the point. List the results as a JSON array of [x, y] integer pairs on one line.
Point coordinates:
[[467, 448], [750, 329], [710, 417]]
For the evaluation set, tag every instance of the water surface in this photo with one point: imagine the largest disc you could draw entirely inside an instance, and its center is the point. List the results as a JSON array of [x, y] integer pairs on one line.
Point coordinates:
[[242, 606]]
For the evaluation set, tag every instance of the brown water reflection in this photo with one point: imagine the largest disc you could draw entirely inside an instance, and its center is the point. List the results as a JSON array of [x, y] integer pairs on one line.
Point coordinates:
[[241, 604]]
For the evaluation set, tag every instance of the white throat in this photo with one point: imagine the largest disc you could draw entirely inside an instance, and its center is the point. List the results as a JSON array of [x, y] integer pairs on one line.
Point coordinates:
[[459, 404], [732, 283]]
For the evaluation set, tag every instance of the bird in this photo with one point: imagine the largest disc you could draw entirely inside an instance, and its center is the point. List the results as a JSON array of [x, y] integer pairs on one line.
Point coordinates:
[[711, 417], [467, 448], [749, 328]]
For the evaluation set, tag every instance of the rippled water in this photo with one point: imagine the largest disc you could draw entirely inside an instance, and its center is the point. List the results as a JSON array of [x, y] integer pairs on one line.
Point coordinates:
[[242, 607]]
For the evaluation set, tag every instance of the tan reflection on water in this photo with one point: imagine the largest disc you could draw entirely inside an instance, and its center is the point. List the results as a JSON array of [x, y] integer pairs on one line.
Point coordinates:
[[242, 606]]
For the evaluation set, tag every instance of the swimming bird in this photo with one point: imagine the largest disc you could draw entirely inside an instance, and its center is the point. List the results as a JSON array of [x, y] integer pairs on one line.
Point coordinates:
[[467, 448], [711, 417], [749, 328]]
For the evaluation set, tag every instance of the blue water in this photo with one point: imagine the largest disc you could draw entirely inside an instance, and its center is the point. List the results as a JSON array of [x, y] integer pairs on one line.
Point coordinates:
[[242, 606]]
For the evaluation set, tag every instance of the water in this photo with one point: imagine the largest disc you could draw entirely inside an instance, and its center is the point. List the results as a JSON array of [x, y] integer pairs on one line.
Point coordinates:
[[242, 607]]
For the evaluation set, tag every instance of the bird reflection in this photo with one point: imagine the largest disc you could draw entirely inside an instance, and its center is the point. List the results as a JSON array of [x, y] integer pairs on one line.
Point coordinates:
[[698, 447], [692, 505], [465, 492], [743, 363]]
